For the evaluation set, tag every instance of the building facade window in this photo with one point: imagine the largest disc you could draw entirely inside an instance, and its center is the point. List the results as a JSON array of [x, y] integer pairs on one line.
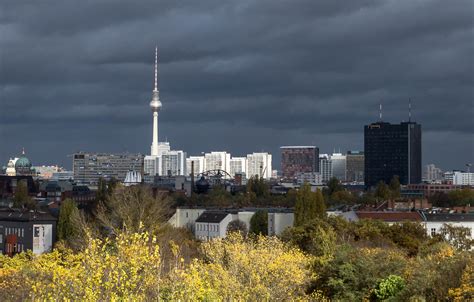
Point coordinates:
[[433, 231]]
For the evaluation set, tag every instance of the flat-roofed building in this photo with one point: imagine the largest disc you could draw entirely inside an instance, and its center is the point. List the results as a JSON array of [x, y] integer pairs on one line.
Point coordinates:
[[296, 159]]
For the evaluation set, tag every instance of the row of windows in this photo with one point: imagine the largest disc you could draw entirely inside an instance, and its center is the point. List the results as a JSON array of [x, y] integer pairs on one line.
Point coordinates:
[[207, 227], [20, 232]]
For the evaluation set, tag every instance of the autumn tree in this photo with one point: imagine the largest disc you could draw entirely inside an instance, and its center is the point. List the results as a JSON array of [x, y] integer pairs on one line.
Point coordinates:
[[457, 236], [66, 224], [382, 191], [259, 223], [22, 197], [394, 187], [237, 226], [134, 208], [309, 205]]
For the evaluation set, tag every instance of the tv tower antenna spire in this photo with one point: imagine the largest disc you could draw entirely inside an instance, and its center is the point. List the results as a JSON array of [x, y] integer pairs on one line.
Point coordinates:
[[380, 111], [409, 110]]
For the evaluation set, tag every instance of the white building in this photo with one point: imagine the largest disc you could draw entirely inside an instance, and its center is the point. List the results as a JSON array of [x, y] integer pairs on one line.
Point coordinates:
[[238, 165], [186, 218], [217, 161], [278, 222], [432, 173], [259, 164], [212, 225], [198, 164], [434, 222], [173, 163], [339, 168], [463, 178], [325, 167], [313, 178]]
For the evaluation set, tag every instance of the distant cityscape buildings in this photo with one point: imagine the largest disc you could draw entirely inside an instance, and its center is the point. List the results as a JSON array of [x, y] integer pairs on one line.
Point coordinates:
[[432, 173], [298, 159], [392, 150]]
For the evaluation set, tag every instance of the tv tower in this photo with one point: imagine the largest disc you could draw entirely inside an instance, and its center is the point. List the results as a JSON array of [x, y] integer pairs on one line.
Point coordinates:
[[155, 106]]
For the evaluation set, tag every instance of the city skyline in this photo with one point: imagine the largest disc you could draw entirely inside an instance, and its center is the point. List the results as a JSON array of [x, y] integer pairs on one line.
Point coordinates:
[[79, 87]]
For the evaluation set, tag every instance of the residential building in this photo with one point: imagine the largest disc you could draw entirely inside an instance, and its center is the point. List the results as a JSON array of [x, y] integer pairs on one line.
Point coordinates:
[[279, 221], [463, 178], [173, 163], [89, 167], [355, 166], [238, 165], [259, 164], [296, 159], [339, 166], [325, 167], [198, 164], [313, 178], [58, 191], [210, 225], [392, 149], [22, 231], [63, 175], [217, 161], [434, 222], [432, 173]]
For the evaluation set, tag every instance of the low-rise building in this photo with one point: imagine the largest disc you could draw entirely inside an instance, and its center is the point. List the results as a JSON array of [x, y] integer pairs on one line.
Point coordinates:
[[211, 225], [31, 230], [434, 222]]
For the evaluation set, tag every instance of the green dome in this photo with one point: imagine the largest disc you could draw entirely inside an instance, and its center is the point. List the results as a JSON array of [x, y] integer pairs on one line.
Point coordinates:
[[23, 162]]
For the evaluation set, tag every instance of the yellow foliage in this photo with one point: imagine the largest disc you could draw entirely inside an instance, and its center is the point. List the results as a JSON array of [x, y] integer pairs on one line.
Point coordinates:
[[465, 292]]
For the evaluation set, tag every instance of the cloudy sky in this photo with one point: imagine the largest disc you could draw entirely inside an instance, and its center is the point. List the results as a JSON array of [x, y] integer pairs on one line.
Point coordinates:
[[239, 76]]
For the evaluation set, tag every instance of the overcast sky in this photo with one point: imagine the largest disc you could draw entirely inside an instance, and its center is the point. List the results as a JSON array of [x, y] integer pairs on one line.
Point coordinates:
[[239, 76]]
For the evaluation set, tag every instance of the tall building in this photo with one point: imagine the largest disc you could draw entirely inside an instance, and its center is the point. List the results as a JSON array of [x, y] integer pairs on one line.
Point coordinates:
[[432, 173], [259, 163], [339, 166], [238, 165], [198, 164], [296, 159], [173, 163], [155, 106], [217, 161], [355, 166], [89, 167], [325, 167], [463, 178], [392, 149]]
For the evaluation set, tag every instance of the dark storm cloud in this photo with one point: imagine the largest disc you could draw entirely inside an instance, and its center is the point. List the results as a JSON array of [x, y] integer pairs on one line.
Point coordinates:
[[240, 76]]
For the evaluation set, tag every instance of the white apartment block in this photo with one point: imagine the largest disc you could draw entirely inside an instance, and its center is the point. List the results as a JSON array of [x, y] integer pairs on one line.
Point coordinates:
[[463, 178], [313, 178], [238, 165], [339, 166], [217, 161], [325, 167], [198, 164], [259, 164]]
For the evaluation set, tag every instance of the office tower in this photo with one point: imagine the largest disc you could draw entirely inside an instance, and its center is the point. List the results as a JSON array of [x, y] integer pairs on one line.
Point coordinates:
[[463, 178], [339, 166], [432, 173], [89, 167], [392, 149], [259, 163], [355, 166], [296, 159], [198, 164], [217, 161], [325, 167], [238, 165]]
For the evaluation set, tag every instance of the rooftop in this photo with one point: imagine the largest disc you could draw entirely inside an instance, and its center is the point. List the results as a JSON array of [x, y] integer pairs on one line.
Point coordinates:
[[390, 216], [450, 217], [212, 217], [16, 215], [297, 147]]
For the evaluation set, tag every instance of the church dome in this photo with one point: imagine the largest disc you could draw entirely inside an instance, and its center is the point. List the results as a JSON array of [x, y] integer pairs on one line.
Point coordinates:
[[23, 162]]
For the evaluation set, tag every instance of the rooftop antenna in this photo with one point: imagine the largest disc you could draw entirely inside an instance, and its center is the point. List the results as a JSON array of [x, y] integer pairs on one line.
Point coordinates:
[[409, 110], [23, 151], [156, 68], [380, 112]]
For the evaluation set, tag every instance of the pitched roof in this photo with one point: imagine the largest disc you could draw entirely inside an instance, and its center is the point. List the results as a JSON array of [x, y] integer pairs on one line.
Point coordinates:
[[11, 215], [390, 216], [450, 217], [212, 217]]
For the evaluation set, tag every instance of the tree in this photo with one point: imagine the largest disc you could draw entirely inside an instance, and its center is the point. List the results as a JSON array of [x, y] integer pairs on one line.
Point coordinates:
[[395, 187], [389, 287], [237, 226], [382, 191], [333, 186], [309, 205], [67, 213], [22, 197], [258, 186], [342, 196], [457, 236], [133, 209], [259, 223]]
